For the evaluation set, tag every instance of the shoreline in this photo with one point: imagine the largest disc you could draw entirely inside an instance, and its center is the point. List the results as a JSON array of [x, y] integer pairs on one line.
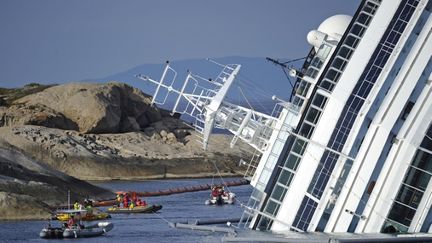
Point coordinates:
[[30, 217]]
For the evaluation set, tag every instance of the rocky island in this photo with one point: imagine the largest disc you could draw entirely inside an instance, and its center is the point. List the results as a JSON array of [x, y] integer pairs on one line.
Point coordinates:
[[54, 137]]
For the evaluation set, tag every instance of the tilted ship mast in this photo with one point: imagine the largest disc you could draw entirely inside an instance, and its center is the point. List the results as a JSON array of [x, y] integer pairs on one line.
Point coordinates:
[[203, 100]]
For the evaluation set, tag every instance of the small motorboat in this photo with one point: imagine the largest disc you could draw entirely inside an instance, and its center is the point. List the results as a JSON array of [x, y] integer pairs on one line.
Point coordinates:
[[136, 209], [86, 215], [219, 196], [76, 231], [93, 230]]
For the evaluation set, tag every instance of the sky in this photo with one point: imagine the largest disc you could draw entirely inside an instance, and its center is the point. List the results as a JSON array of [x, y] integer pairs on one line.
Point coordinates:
[[54, 41]]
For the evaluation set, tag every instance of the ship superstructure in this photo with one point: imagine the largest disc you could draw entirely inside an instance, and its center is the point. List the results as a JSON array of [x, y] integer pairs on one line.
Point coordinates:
[[352, 150], [360, 157]]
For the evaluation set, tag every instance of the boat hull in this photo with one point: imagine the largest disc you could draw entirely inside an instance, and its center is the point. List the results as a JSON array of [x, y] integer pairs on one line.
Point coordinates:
[[51, 233], [228, 199], [138, 209], [89, 231], [87, 217]]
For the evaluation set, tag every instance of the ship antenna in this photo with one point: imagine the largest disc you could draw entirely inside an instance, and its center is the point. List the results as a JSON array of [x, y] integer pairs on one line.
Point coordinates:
[[291, 70], [284, 66]]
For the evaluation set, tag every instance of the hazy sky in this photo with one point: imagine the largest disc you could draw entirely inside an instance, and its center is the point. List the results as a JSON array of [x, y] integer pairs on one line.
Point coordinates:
[[59, 40]]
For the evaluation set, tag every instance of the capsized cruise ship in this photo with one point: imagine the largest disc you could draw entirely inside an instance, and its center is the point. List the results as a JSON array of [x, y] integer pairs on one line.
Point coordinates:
[[352, 150]]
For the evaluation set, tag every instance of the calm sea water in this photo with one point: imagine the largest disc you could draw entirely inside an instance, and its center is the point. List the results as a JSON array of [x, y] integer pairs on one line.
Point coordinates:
[[147, 227]]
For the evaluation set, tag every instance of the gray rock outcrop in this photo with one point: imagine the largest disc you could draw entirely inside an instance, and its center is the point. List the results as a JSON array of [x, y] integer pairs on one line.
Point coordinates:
[[133, 155], [36, 114], [93, 108]]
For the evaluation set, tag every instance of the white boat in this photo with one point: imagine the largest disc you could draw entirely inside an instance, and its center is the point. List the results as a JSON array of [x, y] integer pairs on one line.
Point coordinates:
[[93, 230], [221, 199], [64, 231]]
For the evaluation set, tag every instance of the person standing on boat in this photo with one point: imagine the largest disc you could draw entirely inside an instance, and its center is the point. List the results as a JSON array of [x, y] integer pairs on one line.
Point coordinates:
[[88, 202], [134, 197], [119, 199], [141, 203], [125, 201], [214, 192], [89, 209], [77, 205], [71, 222]]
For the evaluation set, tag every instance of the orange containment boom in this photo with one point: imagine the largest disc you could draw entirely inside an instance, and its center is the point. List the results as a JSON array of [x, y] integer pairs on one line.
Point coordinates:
[[171, 191]]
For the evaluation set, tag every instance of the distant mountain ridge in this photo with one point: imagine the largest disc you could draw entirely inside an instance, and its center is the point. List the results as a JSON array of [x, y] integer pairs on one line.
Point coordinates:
[[258, 79]]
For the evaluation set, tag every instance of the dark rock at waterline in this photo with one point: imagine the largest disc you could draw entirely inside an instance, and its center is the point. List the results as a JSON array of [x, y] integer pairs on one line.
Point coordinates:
[[29, 187], [20, 207]]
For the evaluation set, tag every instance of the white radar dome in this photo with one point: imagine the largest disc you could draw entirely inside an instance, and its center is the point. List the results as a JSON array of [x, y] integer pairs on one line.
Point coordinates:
[[335, 26], [331, 29]]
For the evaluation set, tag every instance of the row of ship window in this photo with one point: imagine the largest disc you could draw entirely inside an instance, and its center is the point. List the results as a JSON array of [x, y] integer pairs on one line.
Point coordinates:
[[358, 96], [413, 187], [292, 161], [355, 103], [329, 159], [312, 117]]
